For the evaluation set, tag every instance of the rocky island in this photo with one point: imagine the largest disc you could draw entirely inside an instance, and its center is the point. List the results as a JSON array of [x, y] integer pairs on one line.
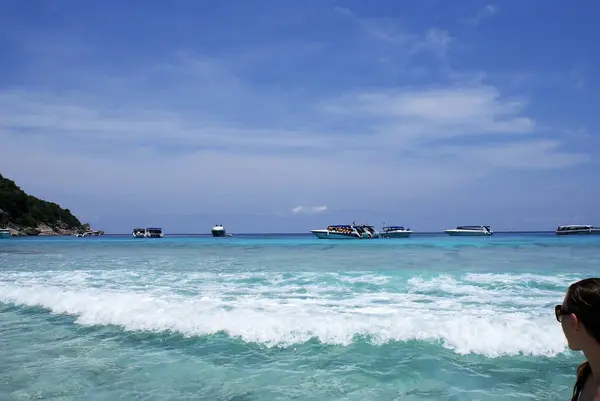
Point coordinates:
[[24, 214]]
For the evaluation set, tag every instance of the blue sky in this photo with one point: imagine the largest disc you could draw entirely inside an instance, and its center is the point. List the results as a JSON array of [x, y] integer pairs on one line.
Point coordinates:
[[285, 116]]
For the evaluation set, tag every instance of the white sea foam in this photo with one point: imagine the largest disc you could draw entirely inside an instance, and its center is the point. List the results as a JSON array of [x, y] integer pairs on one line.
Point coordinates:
[[466, 290], [561, 280], [464, 314]]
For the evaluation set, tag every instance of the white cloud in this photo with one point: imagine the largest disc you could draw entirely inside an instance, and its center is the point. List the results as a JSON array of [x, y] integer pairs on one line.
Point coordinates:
[[441, 104], [412, 116], [309, 209]]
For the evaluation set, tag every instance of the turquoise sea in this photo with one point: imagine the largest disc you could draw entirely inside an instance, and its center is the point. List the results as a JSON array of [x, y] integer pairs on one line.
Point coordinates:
[[288, 317]]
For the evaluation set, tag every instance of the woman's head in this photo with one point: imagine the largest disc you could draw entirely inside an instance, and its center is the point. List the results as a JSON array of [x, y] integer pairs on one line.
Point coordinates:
[[579, 313]]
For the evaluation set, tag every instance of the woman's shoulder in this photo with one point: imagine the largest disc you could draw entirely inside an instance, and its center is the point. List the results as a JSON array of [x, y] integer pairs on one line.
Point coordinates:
[[583, 372]]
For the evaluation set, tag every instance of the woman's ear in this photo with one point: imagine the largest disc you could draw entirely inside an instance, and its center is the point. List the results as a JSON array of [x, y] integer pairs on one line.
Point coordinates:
[[575, 323]]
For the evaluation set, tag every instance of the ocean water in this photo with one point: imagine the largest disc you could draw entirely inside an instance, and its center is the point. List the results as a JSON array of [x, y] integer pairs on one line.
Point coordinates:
[[252, 318]]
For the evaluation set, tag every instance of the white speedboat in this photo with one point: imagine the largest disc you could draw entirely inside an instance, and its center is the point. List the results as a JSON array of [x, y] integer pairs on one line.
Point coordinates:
[[473, 231], [150, 232], [395, 232], [578, 229], [218, 231], [90, 234], [5, 233]]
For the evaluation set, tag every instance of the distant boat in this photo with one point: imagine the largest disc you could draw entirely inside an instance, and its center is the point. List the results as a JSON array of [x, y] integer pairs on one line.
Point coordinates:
[[139, 233], [218, 231], [473, 231], [5, 233], [90, 234], [395, 232], [150, 232], [578, 229]]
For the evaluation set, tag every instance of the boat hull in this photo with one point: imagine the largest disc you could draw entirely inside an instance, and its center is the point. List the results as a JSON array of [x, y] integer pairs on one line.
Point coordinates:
[[324, 234], [396, 234], [154, 236], [219, 233], [371, 236], [454, 233], [579, 232]]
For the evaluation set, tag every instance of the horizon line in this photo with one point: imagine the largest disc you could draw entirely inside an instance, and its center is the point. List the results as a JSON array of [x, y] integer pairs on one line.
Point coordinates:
[[309, 233]]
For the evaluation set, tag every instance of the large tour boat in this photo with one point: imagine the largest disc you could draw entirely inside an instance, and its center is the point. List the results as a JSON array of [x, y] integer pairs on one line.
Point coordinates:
[[473, 231], [5, 233], [346, 231], [578, 229], [395, 232]]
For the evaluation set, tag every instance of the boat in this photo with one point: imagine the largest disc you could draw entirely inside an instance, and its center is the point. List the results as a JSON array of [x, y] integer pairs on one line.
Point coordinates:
[[90, 233], [150, 232], [154, 232], [340, 231], [395, 232], [5, 233], [139, 233], [346, 231], [473, 231], [578, 229], [218, 231]]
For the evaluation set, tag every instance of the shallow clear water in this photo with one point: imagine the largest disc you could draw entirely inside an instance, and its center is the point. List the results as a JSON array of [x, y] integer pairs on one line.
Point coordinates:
[[288, 318]]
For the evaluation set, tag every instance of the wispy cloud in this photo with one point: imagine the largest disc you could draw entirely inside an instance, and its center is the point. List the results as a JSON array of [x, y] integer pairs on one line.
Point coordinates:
[[438, 113], [378, 122], [579, 133], [485, 12], [578, 75], [309, 209], [384, 29], [436, 41], [522, 154]]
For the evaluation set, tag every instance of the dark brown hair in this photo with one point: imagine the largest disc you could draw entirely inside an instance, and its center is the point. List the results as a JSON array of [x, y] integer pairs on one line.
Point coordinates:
[[583, 300]]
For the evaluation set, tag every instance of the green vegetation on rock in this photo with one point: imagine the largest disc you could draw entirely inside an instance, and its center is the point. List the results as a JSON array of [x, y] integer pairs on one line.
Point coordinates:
[[26, 211]]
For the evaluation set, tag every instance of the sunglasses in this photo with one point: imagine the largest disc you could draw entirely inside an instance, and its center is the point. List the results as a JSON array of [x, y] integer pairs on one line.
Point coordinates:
[[559, 312]]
